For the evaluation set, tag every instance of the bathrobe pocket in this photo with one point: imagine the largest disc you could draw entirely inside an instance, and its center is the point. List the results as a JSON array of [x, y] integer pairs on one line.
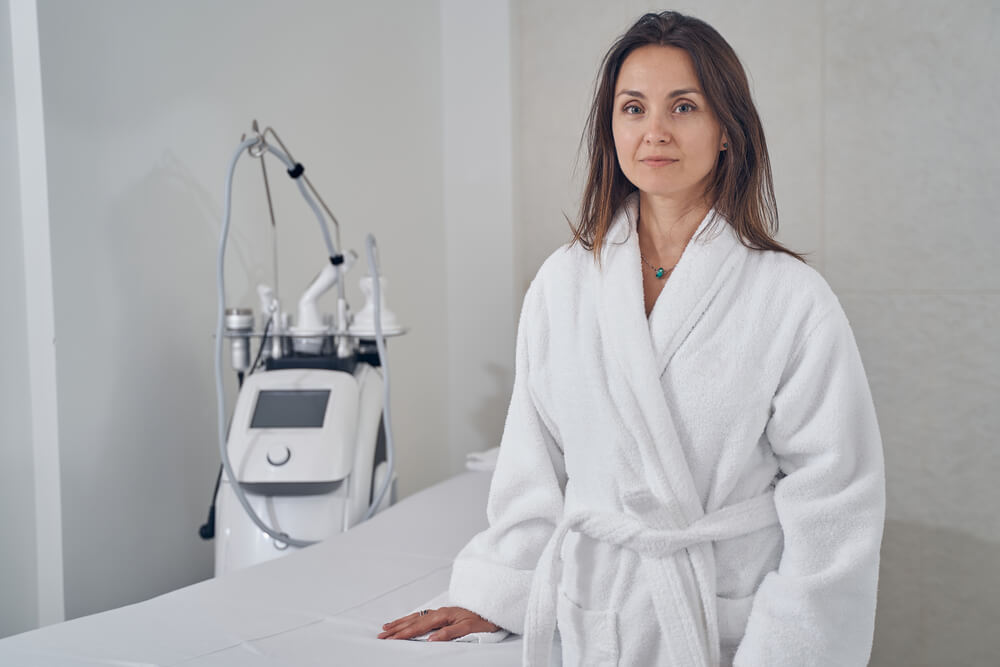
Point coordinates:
[[589, 637], [733, 615]]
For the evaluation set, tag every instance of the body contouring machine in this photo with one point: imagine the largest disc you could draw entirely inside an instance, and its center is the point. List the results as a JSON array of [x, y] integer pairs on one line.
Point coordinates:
[[308, 451]]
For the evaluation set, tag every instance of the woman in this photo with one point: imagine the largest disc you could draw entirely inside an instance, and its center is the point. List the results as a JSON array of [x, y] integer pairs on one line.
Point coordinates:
[[691, 471]]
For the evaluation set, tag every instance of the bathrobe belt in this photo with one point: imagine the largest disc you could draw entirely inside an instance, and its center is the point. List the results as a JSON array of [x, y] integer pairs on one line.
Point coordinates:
[[654, 545]]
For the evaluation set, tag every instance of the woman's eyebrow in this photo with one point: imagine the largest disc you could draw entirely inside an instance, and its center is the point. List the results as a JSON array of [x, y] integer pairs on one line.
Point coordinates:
[[675, 93]]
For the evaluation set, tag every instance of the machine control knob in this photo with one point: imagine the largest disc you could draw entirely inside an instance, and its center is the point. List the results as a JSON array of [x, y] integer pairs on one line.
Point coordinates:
[[278, 456]]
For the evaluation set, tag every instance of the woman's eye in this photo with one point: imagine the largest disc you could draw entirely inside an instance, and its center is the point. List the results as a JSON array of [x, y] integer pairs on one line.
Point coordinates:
[[632, 109], [685, 108]]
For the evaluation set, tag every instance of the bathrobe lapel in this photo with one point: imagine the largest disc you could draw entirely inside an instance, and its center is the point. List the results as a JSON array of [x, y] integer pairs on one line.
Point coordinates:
[[661, 518], [640, 352], [641, 349]]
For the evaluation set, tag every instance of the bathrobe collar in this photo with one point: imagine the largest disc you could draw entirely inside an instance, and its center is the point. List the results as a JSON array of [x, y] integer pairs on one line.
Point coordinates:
[[643, 348], [701, 271]]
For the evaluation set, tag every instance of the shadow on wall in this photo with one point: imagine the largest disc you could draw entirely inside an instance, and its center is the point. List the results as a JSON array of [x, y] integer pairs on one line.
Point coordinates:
[[489, 417], [938, 592], [153, 419]]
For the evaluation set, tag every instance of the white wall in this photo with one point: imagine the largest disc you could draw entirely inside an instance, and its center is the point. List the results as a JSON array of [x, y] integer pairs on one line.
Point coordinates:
[[880, 119], [144, 104], [19, 610], [478, 191]]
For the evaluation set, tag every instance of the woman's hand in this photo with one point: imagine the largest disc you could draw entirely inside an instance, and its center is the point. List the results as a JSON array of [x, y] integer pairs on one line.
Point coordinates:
[[450, 622]]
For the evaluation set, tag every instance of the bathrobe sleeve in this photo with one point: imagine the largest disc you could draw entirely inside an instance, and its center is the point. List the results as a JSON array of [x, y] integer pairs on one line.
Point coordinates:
[[818, 607], [492, 574]]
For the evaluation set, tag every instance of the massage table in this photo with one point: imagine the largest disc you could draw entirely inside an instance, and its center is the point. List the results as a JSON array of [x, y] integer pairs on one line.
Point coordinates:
[[323, 605]]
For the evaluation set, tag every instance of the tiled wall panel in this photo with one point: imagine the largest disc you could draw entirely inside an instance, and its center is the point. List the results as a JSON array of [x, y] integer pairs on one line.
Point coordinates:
[[911, 104], [912, 115], [933, 363]]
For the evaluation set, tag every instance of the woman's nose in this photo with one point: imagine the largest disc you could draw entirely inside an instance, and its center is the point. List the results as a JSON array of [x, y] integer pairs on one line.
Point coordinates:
[[657, 132]]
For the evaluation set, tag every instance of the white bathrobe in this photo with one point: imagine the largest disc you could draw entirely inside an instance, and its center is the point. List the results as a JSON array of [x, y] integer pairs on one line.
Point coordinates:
[[679, 490]]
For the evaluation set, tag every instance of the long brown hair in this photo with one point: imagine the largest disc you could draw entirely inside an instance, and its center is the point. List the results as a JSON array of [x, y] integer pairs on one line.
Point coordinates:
[[741, 188]]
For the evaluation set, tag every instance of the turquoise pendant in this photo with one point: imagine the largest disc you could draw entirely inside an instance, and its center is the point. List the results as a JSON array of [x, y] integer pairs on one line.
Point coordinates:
[[659, 272]]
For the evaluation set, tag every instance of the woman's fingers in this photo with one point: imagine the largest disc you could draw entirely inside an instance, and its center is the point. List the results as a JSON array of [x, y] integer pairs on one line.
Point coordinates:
[[414, 624], [449, 632], [446, 623], [399, 621]]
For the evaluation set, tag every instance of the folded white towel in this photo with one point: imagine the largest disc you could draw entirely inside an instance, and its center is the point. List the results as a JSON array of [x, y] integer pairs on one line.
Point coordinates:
[[442, 600], [483, 461]]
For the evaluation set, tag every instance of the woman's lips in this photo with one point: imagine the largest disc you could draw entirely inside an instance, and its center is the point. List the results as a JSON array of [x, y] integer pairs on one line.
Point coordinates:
[[657, 161]]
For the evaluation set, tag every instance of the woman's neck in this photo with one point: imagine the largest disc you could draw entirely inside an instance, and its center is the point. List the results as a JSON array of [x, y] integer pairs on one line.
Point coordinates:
[[665, 224]]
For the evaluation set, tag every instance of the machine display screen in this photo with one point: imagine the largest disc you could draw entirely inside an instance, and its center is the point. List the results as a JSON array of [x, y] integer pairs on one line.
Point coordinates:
[[298, 408]]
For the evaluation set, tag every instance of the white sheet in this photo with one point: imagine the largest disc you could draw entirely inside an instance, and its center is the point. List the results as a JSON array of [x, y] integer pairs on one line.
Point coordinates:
[[321, 606]]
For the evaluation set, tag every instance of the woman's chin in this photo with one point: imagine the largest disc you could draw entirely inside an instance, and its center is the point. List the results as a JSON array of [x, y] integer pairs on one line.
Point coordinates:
[[664, 191]]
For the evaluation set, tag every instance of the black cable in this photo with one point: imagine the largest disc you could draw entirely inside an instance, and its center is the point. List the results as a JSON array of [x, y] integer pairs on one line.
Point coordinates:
[[207, 530], [260, 350]]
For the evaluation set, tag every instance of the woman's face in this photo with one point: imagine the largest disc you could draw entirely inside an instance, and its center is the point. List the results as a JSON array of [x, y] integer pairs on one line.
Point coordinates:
[[666, 137]]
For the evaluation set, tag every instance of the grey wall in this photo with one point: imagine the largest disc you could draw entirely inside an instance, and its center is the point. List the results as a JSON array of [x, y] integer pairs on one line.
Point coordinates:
[[911, 242], [19, 610], [144, 104], [478, 187], [881, 119]]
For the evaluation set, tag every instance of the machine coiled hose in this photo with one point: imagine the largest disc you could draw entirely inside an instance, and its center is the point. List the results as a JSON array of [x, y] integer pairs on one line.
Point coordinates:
[[294, 171]]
